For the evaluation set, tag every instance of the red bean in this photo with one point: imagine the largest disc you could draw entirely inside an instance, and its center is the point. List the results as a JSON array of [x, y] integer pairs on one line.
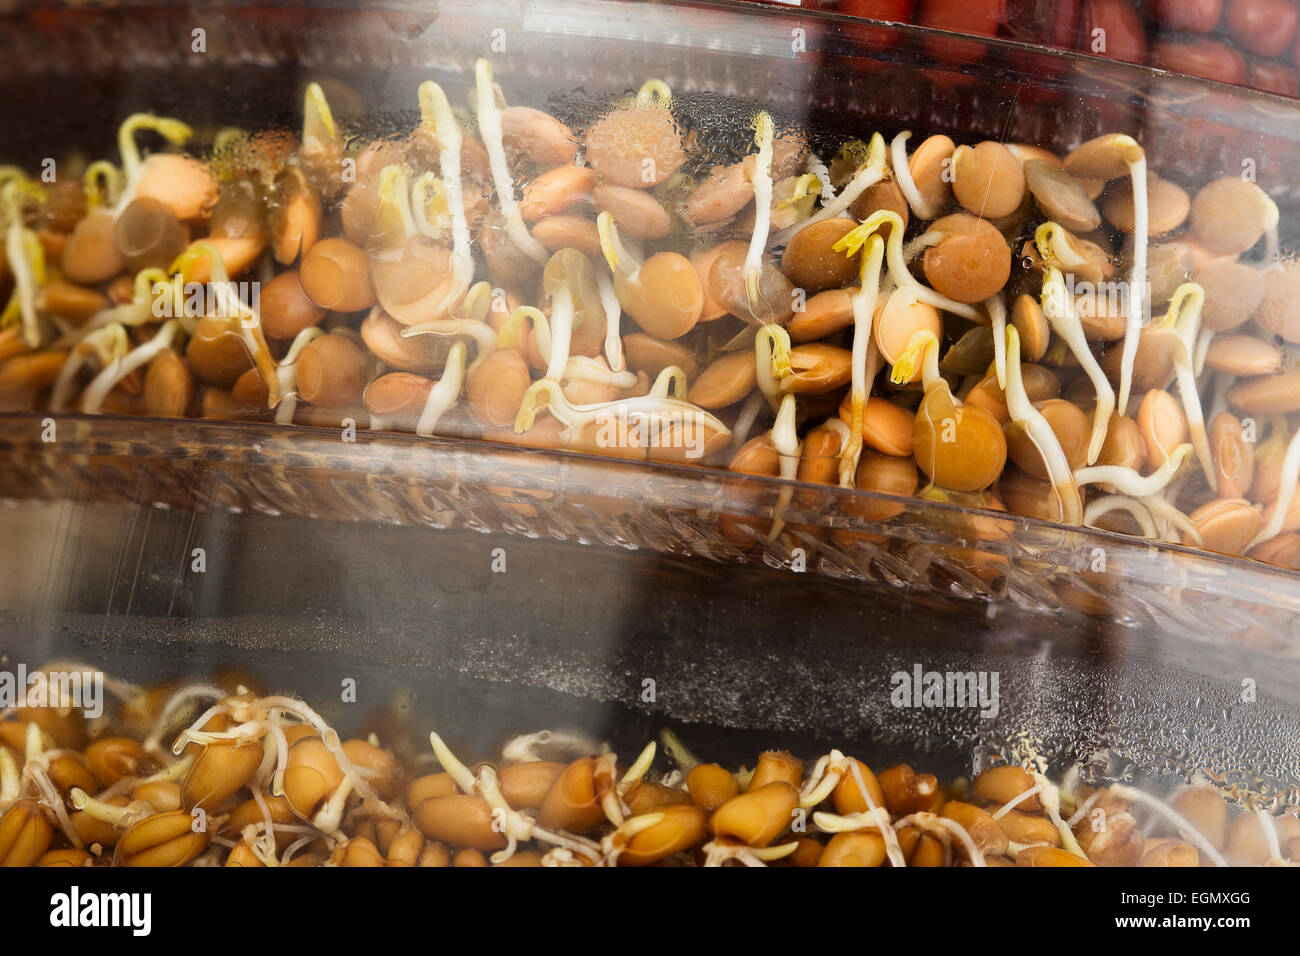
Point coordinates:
[[1206, 58], [1273, 76], [1123, 38], [1186, 16], [975, 17], [1262, 27], [895, 11], [1051, 24]]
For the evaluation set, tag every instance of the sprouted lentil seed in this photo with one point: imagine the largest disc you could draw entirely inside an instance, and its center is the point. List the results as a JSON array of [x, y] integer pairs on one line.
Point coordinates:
[[278, 787], [751, 274]]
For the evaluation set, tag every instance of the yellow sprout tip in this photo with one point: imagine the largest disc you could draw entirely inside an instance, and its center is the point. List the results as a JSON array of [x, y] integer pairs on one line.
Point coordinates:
[[477, 302], [1178, 301], [851, 242], [1013, 343], [876, 149], [652, 91], [509, 333], [12, 312], [184, 264], [316, 109], [781, 366], [1043, 237], [907, 364], [525, 419], [431, 97], [173, 130], [608, 239]]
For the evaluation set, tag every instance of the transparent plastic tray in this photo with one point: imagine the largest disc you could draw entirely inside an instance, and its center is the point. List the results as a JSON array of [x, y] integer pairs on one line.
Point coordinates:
[[931, 551]]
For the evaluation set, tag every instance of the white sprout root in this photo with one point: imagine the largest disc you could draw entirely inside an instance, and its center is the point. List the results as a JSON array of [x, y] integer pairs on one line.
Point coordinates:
[[172, 130], [613, 322], [1015, 801], [621, 260], [242, 319], [1108, 503], [1128, 481], [770, 343], [762, 176], [1058, 307], [93, 398], [489, 124], [872, 172], [903, 176], [718, 852], [287, 374], [749, 413], [1185, 307], [1290, 477], [669, 383], [896, 258], [864, 310], [1139, 305], [36, 766], [875, 818], [561, 332], [518, 828], [785, 437], [997, 310], [826, 776], [1024, 414], [945, 829], [105, 344], [182, 698], [614, 844], [469, 322], [436, 113], [651, 411], [1050, 796], [1268, 825], [444, 394], [27, 265], [1193, 835]]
